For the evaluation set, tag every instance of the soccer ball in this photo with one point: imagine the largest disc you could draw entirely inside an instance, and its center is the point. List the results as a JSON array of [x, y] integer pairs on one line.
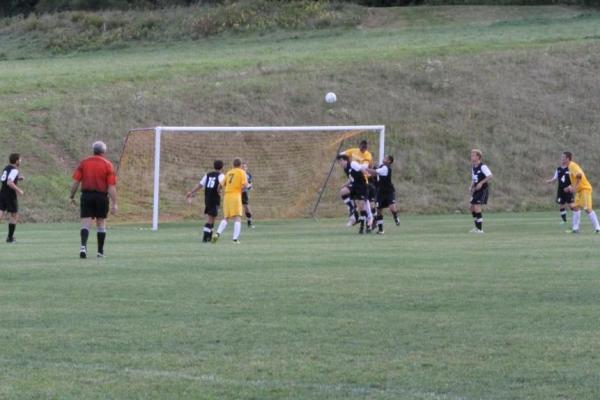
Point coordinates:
[[330, 98]]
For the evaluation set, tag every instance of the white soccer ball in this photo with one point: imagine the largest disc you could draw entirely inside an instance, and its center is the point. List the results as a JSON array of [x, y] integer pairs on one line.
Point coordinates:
[[330, 98]]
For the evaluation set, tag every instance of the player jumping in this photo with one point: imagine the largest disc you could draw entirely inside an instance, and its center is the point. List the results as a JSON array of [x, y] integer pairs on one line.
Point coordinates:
[[386, 192]]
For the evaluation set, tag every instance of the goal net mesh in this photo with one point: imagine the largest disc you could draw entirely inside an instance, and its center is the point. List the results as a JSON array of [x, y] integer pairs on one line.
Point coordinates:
[[289, 170]]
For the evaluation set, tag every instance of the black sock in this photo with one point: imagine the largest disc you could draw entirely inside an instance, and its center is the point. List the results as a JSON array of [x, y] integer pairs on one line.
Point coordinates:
[[348, 202], [479, 221], [101, 237], [249, 216], [395, 214], [11, 230], [563, 214], [363, 218], [207, 232], [84, 233], [379, 220]]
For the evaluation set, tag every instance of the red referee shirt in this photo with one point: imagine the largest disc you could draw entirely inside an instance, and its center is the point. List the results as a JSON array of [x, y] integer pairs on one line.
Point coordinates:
[[95, 173]]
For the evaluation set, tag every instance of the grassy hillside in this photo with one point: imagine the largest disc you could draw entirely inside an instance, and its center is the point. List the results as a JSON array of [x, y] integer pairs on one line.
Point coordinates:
[[519, 82]]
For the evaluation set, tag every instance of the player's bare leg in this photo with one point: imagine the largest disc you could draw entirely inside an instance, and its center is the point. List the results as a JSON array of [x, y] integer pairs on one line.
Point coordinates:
[[360, 204], [370, 219], [394, 210]]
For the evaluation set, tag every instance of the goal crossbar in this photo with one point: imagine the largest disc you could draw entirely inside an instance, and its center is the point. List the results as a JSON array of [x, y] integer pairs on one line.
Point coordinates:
[[213, 129]]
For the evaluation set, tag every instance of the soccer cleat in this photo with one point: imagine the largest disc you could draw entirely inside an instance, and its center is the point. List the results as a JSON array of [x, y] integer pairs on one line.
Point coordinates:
[[215, 237], [361, 231], [236, 241], [572, 231], [83, 252], [369, 230], [351, 221], [380, 232], [475, 230], [397, 221], [100, 255], [597, 231], [11, 240]]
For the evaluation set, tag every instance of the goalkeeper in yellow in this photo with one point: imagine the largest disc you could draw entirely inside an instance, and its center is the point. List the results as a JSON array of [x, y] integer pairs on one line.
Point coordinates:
[[235, 182], [582, 189]]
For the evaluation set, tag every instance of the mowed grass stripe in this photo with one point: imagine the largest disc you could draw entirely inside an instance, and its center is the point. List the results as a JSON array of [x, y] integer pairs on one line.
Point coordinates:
[[304, 309]]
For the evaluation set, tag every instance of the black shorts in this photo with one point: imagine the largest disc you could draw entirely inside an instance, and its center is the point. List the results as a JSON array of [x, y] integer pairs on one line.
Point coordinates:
[[245, 198], [563, 197], [211, 207], [385, 199], [358, 191], [372, 193], [94, 205], [480, 197], [9, 203]]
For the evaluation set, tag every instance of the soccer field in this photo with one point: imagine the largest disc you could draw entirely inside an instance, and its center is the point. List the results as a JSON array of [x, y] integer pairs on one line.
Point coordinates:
[[304, 310]]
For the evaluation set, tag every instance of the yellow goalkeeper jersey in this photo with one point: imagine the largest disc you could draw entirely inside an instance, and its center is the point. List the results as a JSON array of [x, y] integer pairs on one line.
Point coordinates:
[[356, 155], [235, 179], [574, 170]]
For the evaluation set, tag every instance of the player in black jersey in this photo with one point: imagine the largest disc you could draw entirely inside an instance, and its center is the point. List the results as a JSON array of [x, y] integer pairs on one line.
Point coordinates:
[[563, 198], [480, 176], [9, 203], [245, 197], [211, 183], [371, 203], [356, 187], [386, 192]]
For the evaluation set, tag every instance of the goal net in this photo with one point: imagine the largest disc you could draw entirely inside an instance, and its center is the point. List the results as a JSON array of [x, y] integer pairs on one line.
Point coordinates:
[[293, 168]]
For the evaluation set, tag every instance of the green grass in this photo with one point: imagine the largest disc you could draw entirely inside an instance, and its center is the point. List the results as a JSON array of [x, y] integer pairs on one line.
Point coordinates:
[[304, 310]]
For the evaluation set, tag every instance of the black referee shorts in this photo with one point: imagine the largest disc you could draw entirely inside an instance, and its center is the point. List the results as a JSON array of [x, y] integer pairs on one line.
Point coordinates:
[[94, 205], [245, 198]]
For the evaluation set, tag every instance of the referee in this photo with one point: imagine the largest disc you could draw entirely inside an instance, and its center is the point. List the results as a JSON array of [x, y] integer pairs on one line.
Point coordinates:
[[97, 178]]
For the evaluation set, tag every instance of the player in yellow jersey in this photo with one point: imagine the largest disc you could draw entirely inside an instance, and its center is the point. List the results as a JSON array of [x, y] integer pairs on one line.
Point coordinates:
[[582, 189], [235, 182], [359, 154]]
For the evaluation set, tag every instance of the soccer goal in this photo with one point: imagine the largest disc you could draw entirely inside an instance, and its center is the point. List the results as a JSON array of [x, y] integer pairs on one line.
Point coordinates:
[[293, 168]]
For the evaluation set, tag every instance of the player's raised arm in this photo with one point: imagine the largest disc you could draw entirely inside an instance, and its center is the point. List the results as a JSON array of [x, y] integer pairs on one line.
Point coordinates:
[[198, 186]]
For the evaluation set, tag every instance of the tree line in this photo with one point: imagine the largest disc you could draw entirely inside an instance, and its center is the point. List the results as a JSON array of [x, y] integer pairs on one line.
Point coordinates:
[[24, 7]]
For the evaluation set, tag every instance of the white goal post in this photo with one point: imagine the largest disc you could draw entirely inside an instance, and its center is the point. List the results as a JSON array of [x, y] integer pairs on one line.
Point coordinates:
[[160, 130]]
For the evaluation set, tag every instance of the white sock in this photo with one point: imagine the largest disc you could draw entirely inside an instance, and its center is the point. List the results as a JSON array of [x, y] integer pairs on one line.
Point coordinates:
[[594, 220], [222, 226], [237, 228], [576, 219]]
